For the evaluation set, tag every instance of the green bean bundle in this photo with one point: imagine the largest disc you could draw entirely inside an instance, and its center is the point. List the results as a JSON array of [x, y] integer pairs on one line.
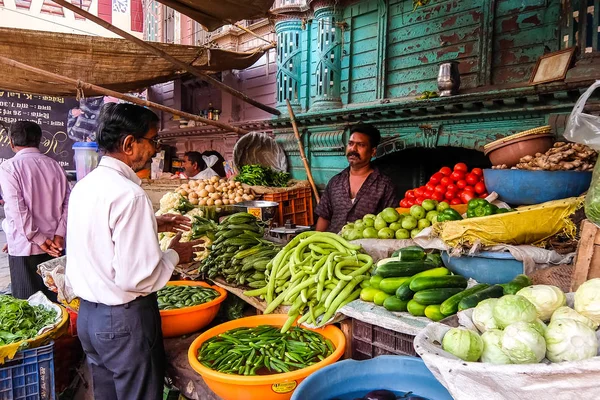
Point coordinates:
[[174, 297], [264, 350], [316, 274]]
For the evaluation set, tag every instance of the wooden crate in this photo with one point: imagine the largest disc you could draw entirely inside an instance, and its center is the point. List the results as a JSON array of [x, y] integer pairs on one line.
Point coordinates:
[[587, 259]]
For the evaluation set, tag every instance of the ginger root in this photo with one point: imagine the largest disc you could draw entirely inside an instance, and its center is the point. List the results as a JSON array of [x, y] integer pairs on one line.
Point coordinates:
[[561, 157]]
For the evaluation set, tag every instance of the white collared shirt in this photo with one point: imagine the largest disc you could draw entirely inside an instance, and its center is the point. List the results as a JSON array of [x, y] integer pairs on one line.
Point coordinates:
[[113, 255]]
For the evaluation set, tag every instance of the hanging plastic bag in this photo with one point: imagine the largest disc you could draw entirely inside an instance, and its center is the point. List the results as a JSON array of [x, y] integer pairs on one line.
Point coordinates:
[[585, 129], [208, 172]]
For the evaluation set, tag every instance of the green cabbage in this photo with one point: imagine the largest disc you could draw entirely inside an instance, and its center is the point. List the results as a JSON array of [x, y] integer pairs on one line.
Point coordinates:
[[587, 300], [463, 343], [513, 308], [570, 340], [545, 298], [523, 344], [492, 348], [483, 315], [569, 313]]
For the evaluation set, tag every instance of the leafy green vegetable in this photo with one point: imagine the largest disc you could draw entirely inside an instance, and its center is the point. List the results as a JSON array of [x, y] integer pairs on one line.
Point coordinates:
[[257, 175], [21, 321]]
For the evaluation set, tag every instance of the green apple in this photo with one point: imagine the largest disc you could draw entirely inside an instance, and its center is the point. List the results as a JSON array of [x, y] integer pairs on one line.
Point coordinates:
[[414, 233], [442, 206], [395, 226], [379, 223], [355, 234], [368, 222], [429, 205], [370, 233], [431, 215], [372, 216], [359, 225], [423, 223], [348, 227], [386, 233], [402, 234], [390, 215], [417, 211], [409, 223]]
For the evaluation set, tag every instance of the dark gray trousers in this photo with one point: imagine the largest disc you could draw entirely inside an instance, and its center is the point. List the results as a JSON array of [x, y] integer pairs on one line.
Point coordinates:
[[124, 348], [24, 279]]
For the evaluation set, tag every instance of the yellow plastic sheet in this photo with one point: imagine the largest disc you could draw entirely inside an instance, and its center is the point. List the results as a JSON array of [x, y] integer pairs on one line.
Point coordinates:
[[527, 225], [10, 350]]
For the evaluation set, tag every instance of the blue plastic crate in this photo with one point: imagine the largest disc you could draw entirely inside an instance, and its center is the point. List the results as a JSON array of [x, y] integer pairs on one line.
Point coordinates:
[[29, 375]]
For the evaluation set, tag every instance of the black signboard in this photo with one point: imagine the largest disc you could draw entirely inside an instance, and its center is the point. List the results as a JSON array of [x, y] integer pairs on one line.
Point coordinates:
[[49, 112]]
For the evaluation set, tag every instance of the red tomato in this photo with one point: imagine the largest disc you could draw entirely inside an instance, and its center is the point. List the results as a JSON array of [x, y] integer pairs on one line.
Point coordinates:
[[461, 167], [477, 171], [456, 201], [435, 178], [404, 203], [410, 203], [467, 196], [457, 176], [469, 189], [430, 186], [419, 192], [461, 184], [446, 171], [472, 179], [452, 187], [427, 194], [450, 194], [437, 196], [445, 181], [483, 195], [420, 200], [410, 194], [480, 188], [440, 189]]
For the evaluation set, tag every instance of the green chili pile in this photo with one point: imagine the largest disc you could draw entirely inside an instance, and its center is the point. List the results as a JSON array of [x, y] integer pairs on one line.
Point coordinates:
[[19, 320], [174, 297], [257, 175], [264, 350]]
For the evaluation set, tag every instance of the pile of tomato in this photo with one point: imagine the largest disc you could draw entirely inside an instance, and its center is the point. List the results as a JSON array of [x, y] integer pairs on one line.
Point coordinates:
[[455, 186]]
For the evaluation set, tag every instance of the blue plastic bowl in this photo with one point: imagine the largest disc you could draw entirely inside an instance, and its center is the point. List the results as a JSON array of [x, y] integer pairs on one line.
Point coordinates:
[[395, 373], [520, 187], [485, 267]]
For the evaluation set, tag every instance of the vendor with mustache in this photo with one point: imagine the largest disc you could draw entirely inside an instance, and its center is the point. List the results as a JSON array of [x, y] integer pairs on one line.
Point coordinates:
[[358, 190]]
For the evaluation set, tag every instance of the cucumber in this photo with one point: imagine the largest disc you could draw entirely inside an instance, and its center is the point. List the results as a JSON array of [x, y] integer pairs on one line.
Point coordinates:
[[450, 306], [411, 253], [416, 309], [424, 282], [390, 285], [380, 298], [435, 296], [435, 259], [394, 304], [517, 284], [396, 269], [493, 292], [386, 260], [404, 292], [433, 313], [375, 280], [368, 294]]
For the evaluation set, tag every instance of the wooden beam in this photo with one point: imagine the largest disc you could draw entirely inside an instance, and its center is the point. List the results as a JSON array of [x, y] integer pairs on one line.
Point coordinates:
[[108, 92], [158, 52]]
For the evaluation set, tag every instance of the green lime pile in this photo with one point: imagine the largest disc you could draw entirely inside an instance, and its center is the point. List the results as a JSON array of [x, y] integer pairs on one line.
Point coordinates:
[[390, 224]]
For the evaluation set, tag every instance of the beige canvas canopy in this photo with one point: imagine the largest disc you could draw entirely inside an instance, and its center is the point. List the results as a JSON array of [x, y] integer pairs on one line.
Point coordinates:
[[115, 64], [213, 14]]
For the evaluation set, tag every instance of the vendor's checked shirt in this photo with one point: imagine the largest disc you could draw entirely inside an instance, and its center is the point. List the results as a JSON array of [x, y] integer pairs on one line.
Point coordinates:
[[376, 193]]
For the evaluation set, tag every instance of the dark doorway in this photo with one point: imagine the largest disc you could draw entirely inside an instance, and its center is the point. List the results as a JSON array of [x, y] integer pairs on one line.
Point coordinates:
[[412, 168]]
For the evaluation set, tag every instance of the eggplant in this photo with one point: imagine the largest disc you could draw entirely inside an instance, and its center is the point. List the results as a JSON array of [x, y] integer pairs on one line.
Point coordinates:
[[380, 395]]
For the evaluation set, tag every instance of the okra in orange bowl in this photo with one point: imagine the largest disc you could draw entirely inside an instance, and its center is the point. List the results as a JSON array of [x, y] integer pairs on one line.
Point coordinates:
[[188, 306], [250, 359]]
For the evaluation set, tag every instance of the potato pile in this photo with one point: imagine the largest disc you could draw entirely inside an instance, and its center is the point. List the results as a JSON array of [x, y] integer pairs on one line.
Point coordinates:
[[562, 157], [214, 192]]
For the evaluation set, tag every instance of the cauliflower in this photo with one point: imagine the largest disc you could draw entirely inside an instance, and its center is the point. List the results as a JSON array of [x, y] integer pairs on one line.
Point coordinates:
[[196, 212], [164, 240], [174, 203]]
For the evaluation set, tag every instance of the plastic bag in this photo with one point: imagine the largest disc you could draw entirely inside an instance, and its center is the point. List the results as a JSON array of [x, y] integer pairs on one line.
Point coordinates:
[[259, 148], [584, 128], [592, 199], [208, 172]]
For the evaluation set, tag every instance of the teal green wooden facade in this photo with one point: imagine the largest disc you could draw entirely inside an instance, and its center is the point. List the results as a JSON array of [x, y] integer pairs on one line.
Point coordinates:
[[368, 60]]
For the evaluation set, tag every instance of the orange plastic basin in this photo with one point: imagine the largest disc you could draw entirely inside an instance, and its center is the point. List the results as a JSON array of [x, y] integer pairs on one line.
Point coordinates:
[[264, 387], [190, 319]]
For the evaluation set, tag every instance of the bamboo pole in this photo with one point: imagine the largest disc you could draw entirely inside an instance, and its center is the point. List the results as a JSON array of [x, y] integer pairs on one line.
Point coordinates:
[[302, 154], [160, 53], [253, 34], [107, 92]]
